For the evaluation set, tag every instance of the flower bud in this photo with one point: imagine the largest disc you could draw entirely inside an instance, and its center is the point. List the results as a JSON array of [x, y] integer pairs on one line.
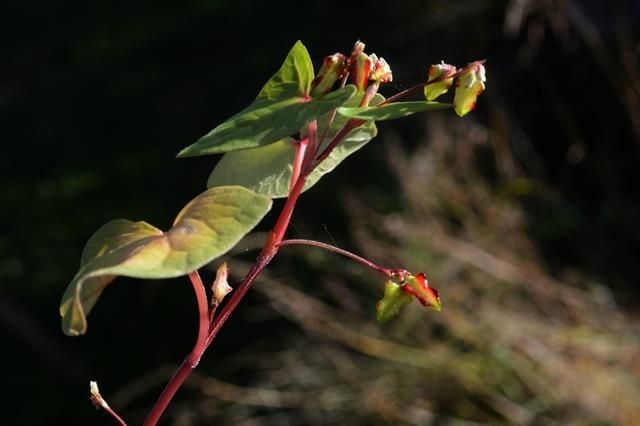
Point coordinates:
[[360, 69], [418, 287], [381, 70], [358, 48], [220, 286], [469, 85], [95, 397], [441, 72], [394, 298], [333, 68]]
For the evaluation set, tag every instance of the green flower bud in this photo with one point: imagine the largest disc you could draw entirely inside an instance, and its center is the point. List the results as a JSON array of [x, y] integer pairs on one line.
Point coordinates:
[[441, 73], [394, 298], [469, 85]]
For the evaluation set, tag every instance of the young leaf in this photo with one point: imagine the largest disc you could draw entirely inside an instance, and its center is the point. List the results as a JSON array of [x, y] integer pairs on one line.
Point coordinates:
[[293, 78], [281, 109], [391, 111], [267, 170], [206, 228]]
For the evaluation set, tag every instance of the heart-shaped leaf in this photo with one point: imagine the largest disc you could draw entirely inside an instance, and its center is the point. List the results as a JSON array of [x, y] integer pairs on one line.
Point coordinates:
[[391, 111], [267, 170], [281, 109], [207, 227]]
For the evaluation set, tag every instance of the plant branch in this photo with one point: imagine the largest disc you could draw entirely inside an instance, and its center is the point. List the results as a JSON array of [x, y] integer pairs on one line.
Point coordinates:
[[210, 325], [406, 92], [192, 360], [115, 416], [301, 148], [351, 124], [268, 252], [312, 149], [100, 402], [387, 272]]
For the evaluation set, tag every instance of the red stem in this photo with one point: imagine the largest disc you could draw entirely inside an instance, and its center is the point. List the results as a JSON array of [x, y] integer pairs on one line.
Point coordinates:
[[268, 252], [301, 148], [387, 272], [351, 124], [192, 360], [208, 331], [115, 415]]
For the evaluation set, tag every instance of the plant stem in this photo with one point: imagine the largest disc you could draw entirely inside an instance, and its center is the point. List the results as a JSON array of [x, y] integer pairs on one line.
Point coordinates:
[[351, 124], [115, 415], [208, 330], [192, 360], [268, 252], [404, 93], [100, 402], [387, 272], [312, 131], [301, 148]]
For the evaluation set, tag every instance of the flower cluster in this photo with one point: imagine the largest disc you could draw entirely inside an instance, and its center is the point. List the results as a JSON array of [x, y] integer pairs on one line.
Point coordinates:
[[469, 84], [398, 295], [362, 69]]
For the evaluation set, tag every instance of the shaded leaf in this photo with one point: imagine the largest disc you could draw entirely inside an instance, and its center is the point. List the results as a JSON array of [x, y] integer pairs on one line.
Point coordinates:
[[281, 109], [267, 170], [391, 111], [207, 227]]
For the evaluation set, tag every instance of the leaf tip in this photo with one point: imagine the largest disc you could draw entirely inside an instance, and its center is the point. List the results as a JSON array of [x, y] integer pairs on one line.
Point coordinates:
[[185, 152]]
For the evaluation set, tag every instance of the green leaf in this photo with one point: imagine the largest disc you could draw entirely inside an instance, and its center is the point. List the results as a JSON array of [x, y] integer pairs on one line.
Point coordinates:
[[267, 170], [391, 111], [264, 123], [207, 227], [292, 79], [281, 109]]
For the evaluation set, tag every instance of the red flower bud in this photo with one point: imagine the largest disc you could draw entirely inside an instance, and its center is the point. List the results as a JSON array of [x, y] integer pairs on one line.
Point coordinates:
[[333, 67], [360, 69], [418, 287]]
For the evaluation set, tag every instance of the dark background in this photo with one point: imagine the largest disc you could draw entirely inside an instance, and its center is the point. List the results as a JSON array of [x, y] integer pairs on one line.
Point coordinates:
[[97, 98]]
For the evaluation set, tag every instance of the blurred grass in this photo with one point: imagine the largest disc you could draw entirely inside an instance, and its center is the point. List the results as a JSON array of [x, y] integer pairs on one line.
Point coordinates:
[[514, 344]]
